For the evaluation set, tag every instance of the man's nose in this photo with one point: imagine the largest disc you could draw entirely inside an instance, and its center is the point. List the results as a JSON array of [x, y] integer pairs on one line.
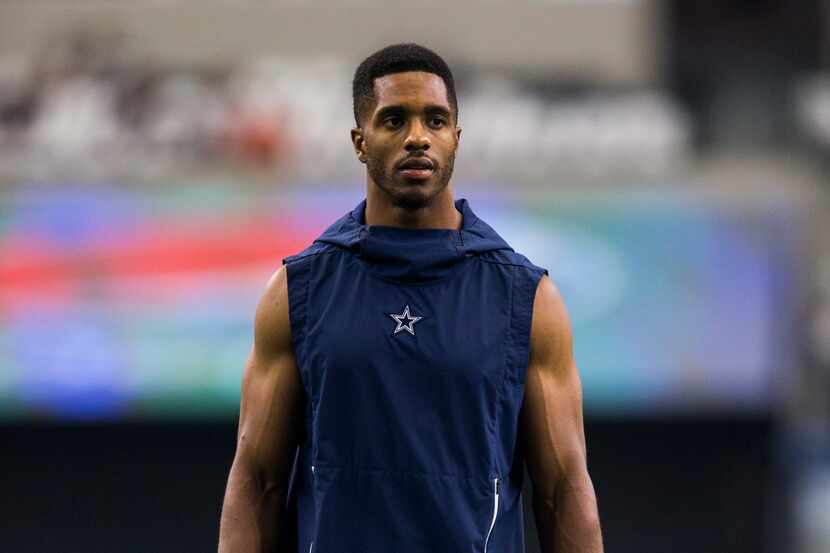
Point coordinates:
[[417, 139]]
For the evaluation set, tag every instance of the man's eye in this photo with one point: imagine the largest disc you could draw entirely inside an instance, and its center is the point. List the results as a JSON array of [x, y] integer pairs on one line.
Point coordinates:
[[437, 122], [393, 122]]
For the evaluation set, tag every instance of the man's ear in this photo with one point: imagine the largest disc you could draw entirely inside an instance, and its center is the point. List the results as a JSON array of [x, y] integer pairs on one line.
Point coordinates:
[[457, 134], [359, 144]]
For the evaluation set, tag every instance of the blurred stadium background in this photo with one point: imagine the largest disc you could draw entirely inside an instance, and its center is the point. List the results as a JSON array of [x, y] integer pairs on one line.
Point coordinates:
[[667, 161]]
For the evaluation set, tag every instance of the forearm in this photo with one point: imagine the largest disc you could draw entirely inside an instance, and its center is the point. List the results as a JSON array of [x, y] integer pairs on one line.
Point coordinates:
[[251, 513], [568, 521]]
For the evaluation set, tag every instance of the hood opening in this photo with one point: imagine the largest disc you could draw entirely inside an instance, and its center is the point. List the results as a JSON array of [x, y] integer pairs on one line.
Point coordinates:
[[412, 255]]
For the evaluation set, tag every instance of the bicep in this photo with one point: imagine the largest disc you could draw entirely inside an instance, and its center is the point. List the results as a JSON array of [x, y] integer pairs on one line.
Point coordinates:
[[552, 427], [270, 408]]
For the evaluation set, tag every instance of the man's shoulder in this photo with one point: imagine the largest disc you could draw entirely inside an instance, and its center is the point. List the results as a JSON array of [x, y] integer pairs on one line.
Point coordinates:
[[310, 252], [513, 258]]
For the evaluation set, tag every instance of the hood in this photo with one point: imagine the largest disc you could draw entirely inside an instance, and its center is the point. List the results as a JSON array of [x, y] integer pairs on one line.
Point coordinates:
[[413, 255]]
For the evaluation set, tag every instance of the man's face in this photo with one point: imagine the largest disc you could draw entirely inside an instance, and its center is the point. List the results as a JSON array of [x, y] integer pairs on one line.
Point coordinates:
[[408, 139]]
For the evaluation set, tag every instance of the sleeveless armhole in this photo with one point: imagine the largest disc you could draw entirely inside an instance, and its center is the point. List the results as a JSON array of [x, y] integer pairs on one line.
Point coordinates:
[[521, 318], [526, 277], [297, 273], [298, 276]]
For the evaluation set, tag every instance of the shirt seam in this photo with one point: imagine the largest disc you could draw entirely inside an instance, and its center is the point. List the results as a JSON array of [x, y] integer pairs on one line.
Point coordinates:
[[506, 365]]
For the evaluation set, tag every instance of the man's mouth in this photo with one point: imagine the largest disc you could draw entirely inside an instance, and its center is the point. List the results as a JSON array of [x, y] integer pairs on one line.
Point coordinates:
[[416, 168]]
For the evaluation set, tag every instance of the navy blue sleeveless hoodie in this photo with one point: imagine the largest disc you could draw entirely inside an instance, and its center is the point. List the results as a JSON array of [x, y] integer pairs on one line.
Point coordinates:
[[412, 346]]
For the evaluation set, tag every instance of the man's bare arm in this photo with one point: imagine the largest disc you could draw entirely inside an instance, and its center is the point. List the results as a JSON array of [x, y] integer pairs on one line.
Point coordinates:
[[270, 411], [564, 503]]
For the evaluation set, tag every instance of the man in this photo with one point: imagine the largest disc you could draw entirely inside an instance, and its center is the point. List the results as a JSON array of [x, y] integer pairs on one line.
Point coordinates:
[[408, 363]]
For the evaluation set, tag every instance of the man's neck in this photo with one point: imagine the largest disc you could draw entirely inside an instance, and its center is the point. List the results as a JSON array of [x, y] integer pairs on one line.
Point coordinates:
[[439, 214]]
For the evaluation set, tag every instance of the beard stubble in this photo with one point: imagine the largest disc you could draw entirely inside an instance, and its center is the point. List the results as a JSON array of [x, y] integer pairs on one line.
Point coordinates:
[[409, 197]]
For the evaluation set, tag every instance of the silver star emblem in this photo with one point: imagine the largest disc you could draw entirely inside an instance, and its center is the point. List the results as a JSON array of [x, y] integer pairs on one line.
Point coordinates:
[[408, 326]]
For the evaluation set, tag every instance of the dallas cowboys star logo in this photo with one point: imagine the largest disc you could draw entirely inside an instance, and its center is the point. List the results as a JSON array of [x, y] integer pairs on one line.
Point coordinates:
[[408, 326]]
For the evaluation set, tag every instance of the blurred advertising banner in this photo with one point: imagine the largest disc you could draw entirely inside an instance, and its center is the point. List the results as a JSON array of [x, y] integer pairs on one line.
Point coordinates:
[[122, 303]]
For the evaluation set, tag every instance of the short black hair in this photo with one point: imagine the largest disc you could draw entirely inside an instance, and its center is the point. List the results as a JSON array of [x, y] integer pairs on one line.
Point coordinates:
[[398, 58]]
